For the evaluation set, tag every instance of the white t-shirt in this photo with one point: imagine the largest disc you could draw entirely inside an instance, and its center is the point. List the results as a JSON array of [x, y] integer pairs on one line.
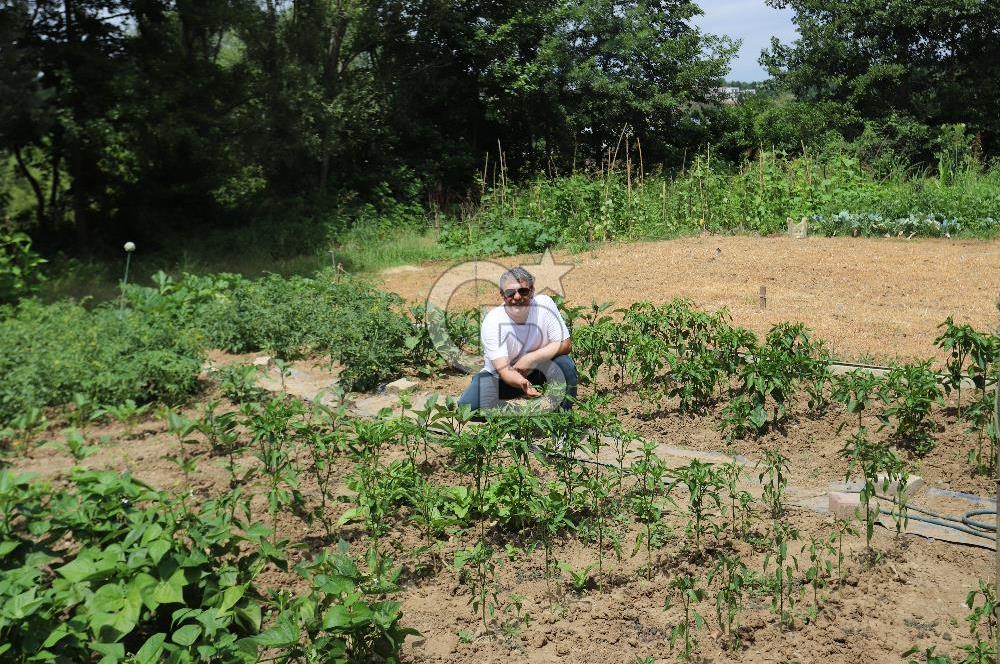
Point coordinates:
[[502, 337]]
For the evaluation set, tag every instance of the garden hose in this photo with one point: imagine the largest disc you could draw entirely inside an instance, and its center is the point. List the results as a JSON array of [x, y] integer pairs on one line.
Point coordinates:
[[982, 525], [966, 524], [945, 523]]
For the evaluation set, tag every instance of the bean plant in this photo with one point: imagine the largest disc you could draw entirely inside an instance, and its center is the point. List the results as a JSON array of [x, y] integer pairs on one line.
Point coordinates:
[[910, 391], [964, 344], [857, 391], [880, 468], [820, 551], [785, 566], [735, 582], [702, 483], [270, 425], [740, 500]]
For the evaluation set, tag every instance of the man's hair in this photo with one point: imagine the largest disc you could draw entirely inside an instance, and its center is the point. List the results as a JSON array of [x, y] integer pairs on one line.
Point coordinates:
[[517, 274]]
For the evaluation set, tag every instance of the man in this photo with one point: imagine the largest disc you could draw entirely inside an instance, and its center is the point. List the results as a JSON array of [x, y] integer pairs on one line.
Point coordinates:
[[525, 344]]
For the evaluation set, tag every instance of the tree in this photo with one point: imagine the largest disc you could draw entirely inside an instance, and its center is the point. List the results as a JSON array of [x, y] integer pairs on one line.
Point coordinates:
[[905, 63]]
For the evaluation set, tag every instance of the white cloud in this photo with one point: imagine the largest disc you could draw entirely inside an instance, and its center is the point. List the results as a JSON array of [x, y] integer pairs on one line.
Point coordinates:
[[751, 21]]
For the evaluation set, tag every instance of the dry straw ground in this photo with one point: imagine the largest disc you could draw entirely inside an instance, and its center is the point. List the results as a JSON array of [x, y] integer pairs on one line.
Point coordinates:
[[869, 299]]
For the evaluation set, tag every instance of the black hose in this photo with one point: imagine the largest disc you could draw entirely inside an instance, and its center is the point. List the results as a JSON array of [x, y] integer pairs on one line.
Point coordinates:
[[982, 525], [946, 523], [965, 524]]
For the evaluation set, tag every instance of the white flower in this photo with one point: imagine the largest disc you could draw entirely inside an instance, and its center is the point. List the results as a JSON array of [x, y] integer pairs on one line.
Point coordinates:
[[130, 247]]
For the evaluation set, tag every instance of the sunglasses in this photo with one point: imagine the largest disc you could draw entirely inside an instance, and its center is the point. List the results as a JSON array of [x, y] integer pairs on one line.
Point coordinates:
[[509, 292]]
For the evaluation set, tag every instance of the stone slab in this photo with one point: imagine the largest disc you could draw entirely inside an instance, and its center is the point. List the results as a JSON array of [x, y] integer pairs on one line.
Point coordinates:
[[402, 385], [843, 505], [913, 484]]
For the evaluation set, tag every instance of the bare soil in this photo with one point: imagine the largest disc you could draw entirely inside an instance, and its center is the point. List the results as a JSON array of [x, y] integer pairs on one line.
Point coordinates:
[[868, 298]]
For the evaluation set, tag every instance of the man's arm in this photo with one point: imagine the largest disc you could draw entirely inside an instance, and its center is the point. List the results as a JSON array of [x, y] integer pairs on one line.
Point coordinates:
[[513, 377], [529, 361], [555, 328]]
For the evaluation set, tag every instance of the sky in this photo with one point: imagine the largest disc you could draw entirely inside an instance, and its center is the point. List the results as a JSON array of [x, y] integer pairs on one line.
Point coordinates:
[[753, 22]]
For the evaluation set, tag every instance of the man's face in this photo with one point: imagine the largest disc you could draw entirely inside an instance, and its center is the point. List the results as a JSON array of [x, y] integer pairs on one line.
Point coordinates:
[[516, 293]]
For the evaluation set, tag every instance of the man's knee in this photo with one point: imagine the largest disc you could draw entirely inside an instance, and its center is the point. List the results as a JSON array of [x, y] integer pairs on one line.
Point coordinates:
[[568, 369], [482, 392]]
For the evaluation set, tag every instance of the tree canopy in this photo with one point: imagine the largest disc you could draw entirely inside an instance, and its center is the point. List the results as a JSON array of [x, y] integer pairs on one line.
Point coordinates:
[[126, 113], [905, 66]]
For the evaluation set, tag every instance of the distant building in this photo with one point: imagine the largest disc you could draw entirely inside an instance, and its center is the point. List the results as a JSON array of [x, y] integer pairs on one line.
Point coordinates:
[[731, 94]]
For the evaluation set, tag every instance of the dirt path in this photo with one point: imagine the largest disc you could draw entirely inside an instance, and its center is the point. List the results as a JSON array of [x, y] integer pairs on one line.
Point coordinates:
[[870, 299]]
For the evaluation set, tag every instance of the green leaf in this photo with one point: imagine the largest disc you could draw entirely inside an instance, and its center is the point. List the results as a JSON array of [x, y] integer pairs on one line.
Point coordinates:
[[150, 651], [249, 616], [157, 549], [283, 633], [350, 515], [337, 617], [171, 591], [186, 635], [231, 596], [7, 546], [21, 606], [55, 636], [113, 652], [109, 598], [89, 564], [143, 584]]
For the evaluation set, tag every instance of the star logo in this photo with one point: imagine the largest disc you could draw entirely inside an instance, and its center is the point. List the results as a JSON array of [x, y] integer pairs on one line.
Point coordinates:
[[548, 279], [549, 274]]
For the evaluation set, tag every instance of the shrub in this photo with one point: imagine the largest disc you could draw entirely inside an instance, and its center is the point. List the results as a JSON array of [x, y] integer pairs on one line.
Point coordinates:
[[50, 352], [18, 266]]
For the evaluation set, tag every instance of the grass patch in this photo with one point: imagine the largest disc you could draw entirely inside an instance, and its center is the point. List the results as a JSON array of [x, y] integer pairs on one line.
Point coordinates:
[[364, 250]]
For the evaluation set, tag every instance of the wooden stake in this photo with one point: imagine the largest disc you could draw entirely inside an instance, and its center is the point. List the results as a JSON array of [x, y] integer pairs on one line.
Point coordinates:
[[763, 298]]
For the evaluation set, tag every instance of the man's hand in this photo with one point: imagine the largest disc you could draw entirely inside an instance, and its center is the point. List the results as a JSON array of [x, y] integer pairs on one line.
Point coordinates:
[[516, 379]]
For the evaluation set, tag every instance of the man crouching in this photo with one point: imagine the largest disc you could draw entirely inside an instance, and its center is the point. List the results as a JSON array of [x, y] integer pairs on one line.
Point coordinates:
[[525, 344]]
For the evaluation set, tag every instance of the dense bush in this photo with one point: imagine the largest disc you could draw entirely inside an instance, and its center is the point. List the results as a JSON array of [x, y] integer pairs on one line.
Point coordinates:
[[363, 329], [354, 324], [150, 347], [111, 568], [19, 266], [52, 351]]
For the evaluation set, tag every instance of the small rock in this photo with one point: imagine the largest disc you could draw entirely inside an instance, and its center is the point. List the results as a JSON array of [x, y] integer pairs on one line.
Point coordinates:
[[562, 649], [402, 385], [262, 361], [540, 640]]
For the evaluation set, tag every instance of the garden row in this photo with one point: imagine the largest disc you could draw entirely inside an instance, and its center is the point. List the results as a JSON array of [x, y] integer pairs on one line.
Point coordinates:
[[830, 188], [675, 350], [150, 345], [113, 568]]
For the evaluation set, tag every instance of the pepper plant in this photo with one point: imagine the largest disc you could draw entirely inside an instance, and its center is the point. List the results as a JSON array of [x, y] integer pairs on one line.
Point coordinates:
[[684, 588]]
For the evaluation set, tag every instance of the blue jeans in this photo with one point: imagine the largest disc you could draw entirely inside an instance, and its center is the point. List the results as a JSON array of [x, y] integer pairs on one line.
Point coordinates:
[[487, 390]]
